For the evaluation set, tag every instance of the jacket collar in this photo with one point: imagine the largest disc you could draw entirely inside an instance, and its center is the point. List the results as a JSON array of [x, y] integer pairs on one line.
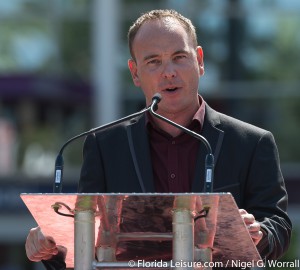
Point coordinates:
[[214, 135], [140, 152]]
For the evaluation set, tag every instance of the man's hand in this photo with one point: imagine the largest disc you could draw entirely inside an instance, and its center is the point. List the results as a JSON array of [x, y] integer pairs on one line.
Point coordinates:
[[252, 225], [39, 247]]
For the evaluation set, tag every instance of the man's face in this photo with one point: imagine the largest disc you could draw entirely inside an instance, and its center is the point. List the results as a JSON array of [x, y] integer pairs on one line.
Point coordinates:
[[167, 62]]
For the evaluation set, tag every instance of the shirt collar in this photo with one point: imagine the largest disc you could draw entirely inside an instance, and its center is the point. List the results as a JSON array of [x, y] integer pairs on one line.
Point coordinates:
[[198, 116]]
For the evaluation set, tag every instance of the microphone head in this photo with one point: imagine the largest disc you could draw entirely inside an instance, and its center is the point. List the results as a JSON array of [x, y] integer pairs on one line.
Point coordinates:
[[156, 97], [155, 100]]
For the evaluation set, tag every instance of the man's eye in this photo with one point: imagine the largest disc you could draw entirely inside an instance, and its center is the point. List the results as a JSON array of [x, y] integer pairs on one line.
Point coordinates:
[[178, 57], [153, 61]]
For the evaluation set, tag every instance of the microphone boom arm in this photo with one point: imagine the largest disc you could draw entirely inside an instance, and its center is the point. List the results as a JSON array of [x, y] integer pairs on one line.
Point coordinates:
[[59, 162]]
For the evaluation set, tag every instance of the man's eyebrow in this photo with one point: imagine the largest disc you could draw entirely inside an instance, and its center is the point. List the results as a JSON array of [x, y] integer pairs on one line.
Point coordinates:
[[180, 52], [147, 57], [151, 56]]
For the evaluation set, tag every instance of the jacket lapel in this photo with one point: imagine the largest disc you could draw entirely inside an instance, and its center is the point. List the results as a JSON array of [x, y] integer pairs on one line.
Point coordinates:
[[215, 138], [140, 153]]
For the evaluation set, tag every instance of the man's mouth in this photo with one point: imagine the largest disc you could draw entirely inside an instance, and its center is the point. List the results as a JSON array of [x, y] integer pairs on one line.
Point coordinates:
[[171, 89]]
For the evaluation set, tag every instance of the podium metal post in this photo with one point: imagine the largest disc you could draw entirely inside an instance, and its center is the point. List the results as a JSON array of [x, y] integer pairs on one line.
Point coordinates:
[[84, 237], [183, 231], [183, 238]]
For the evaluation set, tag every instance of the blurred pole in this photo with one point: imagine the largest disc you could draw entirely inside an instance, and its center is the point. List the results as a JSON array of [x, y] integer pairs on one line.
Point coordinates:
[[236, 36], [105, 71], [236, 32]]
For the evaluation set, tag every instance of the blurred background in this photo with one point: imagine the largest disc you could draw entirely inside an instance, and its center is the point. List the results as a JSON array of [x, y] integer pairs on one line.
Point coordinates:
[[63, 70]]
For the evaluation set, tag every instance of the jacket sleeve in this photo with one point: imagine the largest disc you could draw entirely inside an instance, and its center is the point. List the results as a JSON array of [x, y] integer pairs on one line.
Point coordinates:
[[266, 198], [57, 262]]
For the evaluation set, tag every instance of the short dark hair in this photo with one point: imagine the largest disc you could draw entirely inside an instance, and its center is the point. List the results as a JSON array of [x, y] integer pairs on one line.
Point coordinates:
[[156, 15]]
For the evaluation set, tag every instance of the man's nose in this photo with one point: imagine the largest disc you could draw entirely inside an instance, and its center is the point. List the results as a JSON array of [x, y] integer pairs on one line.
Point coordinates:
[[169, 70]]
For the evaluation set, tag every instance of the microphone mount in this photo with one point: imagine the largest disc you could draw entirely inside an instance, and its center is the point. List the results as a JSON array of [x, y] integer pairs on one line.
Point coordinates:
[[209, 159]]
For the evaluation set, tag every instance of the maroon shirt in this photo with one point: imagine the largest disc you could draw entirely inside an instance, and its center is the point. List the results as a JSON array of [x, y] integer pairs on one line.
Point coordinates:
[[174, 159]]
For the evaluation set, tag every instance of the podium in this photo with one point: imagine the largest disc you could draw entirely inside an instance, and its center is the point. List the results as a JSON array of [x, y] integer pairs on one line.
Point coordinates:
[[149, 230]]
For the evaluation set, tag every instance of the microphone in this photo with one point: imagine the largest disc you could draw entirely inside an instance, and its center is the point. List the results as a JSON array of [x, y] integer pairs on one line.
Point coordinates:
[[59, 162], [209, 159]]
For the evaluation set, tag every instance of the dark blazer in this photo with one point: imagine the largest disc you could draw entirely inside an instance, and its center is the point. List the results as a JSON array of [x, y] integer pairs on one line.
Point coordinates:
[[246, 164]]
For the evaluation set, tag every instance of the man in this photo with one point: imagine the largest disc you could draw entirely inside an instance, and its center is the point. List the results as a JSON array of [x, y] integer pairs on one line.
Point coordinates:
[[149, 155]]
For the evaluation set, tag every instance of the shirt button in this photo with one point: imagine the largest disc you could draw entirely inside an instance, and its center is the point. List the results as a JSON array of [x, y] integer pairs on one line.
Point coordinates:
[[173, 175]]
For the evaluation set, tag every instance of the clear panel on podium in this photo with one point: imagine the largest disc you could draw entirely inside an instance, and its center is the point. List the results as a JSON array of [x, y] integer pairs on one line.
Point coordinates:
[[139, 226]]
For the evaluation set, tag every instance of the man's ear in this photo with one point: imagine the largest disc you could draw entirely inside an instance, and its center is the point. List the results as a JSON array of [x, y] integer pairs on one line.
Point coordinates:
[[200, 57], [133, 70]]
